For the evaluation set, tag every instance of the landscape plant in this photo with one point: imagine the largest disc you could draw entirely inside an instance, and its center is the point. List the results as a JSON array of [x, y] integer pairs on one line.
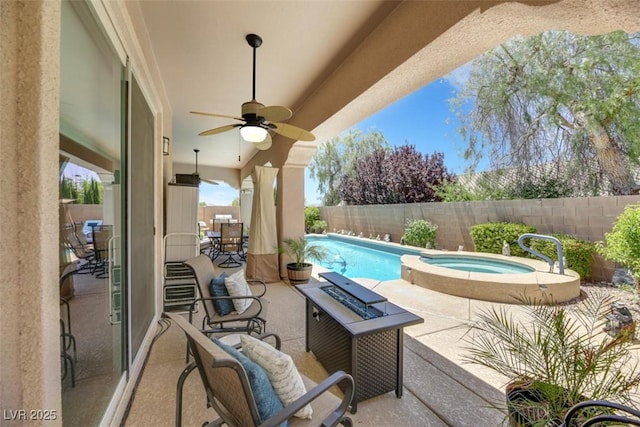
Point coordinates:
[[553, 357], [401, 175], [318, 227], [419, 233], [337, 157], [556, 97], [311, 215], [578, 253], [490, 237], [622, 244]]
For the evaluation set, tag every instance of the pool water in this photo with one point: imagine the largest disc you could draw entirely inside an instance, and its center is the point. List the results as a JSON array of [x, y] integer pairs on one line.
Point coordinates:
[[477, 265], [359, 261]]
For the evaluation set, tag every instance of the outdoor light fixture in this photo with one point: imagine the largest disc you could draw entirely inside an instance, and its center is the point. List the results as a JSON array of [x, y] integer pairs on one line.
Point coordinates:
[[252, 133], [165, 146]]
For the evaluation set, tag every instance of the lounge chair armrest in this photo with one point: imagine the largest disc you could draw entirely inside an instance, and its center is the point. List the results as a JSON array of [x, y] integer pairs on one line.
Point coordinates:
[[262, 337], [333, 418], [195, 301], [258, 282]]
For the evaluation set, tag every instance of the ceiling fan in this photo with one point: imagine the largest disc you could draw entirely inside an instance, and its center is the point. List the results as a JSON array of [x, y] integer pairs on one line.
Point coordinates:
[[257, 119]]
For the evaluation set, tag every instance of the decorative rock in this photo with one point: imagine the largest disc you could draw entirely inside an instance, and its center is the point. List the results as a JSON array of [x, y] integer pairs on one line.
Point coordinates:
[[623, 276]]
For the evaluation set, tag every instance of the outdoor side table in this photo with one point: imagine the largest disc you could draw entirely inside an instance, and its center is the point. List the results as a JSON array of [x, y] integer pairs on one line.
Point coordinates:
[[365, 341]]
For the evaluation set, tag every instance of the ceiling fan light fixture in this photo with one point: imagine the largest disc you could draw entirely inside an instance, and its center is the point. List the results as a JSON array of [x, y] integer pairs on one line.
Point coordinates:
[[251, 133]]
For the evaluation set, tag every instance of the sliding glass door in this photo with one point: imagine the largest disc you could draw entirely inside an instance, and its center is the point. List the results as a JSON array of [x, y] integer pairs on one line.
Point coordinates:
[[93, 207]]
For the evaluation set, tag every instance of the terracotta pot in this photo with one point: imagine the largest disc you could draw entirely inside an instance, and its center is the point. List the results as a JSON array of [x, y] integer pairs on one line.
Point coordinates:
[[299, 274]]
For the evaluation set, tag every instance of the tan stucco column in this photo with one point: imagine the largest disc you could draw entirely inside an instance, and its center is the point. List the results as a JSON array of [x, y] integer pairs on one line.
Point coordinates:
[[290, 209], [29, 110]]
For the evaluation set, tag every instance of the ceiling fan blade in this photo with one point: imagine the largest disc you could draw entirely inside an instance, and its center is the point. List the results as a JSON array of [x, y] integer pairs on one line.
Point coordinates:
[[215, 115], [292, 132], [218, 130], [266, 144], [275, 113], [209, 181]]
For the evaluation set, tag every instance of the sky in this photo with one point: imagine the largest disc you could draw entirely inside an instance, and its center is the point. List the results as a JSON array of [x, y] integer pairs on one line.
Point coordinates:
[[422, 118]]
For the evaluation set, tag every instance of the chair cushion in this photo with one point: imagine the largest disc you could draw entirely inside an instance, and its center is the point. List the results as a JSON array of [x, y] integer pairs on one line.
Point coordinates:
[[266, 399], [237, 286], [218, 289], [280, 369]]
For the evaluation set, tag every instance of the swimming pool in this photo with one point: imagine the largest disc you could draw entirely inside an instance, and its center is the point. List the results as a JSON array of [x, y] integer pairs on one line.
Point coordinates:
[[356, 257], [481, 276]]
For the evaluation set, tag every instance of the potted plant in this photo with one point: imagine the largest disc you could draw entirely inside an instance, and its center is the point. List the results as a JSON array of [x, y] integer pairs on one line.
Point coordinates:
[[554, 358], [300, 250]]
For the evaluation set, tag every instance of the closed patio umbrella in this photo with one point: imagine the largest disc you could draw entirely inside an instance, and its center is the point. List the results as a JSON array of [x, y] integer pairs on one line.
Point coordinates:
[[262, 255]]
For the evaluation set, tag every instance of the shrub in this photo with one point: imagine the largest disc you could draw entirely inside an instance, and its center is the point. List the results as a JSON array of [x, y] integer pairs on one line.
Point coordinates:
[[311, 215], [578, 253], [623, 242], [318, 227], [490, 236], [419, 232]]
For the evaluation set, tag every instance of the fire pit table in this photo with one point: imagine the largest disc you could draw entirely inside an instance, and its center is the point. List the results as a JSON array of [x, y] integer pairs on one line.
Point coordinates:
[[353, 329]]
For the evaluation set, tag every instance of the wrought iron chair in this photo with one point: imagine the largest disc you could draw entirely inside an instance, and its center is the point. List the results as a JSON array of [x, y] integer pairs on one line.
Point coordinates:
[[231, 243], [229, 393], [68, 352], [251, 320], [601, 411]]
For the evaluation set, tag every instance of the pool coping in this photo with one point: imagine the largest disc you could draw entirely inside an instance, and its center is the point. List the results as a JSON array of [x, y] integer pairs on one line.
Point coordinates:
[[539, 285]]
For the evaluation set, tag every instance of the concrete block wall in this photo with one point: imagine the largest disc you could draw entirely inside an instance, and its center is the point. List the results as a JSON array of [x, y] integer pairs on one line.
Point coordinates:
[[208, 213], [585, 218]]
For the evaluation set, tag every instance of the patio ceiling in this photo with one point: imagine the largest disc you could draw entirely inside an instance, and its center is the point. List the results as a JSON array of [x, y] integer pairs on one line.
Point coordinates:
[[332, 62]]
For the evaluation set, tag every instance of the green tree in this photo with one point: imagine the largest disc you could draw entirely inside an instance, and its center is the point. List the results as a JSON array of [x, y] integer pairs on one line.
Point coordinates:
[[338, 157], [557, 97], [91, 192], [67, 189]]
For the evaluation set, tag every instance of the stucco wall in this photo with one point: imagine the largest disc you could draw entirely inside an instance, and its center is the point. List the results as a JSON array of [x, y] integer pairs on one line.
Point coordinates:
[[586, 218], [29, 111]]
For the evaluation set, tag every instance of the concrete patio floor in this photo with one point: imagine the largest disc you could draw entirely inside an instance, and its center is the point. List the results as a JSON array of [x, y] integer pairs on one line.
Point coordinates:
[[438, 389]]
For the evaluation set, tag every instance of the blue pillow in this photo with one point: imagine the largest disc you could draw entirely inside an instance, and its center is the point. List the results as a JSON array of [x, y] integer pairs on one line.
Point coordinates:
[[267, 400], [218, 289]]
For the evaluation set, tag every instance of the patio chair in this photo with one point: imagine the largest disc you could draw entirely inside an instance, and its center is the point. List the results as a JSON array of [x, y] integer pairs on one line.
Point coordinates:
[[251, 320], [101, 235], [68, 350], [229, 392], [601, 411], [82, 252], [231, 243]]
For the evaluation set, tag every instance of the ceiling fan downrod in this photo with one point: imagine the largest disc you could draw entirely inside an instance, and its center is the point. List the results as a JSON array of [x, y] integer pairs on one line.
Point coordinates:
[[255, 41]]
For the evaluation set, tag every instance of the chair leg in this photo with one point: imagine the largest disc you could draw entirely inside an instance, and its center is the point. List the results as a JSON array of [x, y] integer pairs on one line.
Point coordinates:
[[179, 388]]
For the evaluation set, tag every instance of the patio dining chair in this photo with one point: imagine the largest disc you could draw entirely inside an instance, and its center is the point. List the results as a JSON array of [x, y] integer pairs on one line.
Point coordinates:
[[231, 243], [215, 320], [82, 252], [237, 395], [101, 235]]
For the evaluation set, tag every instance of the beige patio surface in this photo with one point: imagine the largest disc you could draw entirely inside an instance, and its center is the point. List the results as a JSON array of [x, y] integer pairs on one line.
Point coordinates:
[[438, 390]]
